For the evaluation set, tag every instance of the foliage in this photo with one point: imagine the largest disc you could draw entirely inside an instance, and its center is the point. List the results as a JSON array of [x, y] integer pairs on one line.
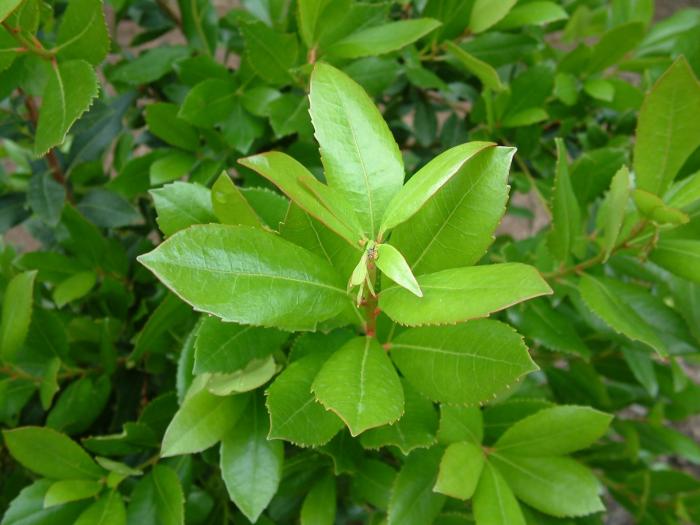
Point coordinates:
[[253, 270]]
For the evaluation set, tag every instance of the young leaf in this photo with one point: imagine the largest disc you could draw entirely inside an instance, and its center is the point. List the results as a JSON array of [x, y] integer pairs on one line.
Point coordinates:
[[679, 256], [558, 486], [460, 469], [16, 313], [50, 453], [378, 40], [476, 360], [554, 431], [486, 13], [413, 501], [360, 156], [533, 13], [455, 227], [234, 271], [612, 211], [482, 70], [359, 383], [229, 204], [494, 502], [67, 490], [460, 294], [655, 209], [107, 510], [182, 204], [68, 94], [665, 134], [320, 503], [250, 464], [421, 187], [394, 266], [158, 498], [566, 215], [202, 420], [83, 32]]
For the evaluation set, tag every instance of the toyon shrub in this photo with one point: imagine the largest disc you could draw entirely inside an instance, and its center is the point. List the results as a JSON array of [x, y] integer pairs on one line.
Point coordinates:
[[335, 262]]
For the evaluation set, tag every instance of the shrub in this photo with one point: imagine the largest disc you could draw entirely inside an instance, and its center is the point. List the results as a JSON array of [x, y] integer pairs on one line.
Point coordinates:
[[253, 270]]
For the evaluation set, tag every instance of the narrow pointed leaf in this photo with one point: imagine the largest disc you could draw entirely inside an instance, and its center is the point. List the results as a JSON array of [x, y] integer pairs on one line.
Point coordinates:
[[494, 501], [394, 266], [413, 501], [460, 294], [482, 70], [229, 204], [566, 215], [486, 13], [67, 490], [460, 469], [320, 503], [612, 210], [16, 313]]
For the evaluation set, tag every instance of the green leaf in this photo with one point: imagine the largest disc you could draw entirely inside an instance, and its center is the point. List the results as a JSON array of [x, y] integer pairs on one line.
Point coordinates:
[[460, 469], [50, 453], [108, 510], [566, 215], [309, 15], [83, 32], [413, 501], [295, 415], [7, 7], [250, 464], [254, 375], [394, 266], [289, 114], [242, 270], [430, 179], [68, 94], [486, 13], [533, 13], [73, 288], [482, 70], [460, 294], [202, 421], [172, 165], [604, 297], [558, 486], [149, 66], [600, 89], [360, 156], [415, 429], [158, 498], [654, 209], [614, 45], [455, 227], [665, 134], [287, 174], [566, 88], [684, 193], [28, 508], [475, 361], [68, 490], [230, 206], [679, 256], [320, 503], [554, 431], [209, 102], [642, 367], [494, 501], [458, 423], [228, 347], [182, 204], [372, 482], [378, 40], [270, 53], [46, 197], [16, 313], [359, 383], [108, 209], [612, 210], [162, 120]]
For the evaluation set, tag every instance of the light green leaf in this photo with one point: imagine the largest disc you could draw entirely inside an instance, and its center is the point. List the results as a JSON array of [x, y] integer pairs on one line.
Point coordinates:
[[665, 134], [320, 503], [75, 287], [679, 256], [460, 294], [415, 429], [68, 490], [524, 117], [68, 94], [27, 508], [413, 501], [475, 361], [201, 422], [270, 53], [333, 201], [209, 102], [641, 364], [49, 382], [614, 45], [295, 415], [566, 88], [229, 204], [600, 89], [455, 227], [158, 498], [684, 193], [554, 431], [182, 204], [50, 453], [309, 15], [612, 210], [163, 122], [287, 174], [482, 70], [173, 165], [459, 423], [16, 313], [566, 215], [248, 276], [359, 383], [430, 179], [83, 32], [604, 297], [256, 374], [7, 7], [558, 486], [460, 469], [394, 266], [361, 158], [533, 13], [250, 464], [381, 39], [486, 13], [494, 501], [108, 510], [150, 65], [654, 209]]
